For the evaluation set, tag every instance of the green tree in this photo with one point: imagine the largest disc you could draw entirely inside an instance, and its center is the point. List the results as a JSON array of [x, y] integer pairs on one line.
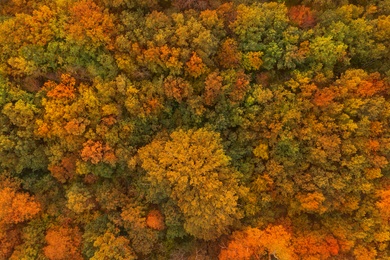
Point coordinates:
[[19, 148]]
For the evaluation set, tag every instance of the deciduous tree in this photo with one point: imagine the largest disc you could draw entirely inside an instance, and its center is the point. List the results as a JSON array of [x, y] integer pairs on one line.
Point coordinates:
[[191, 169], [254, 243], [63, 243]]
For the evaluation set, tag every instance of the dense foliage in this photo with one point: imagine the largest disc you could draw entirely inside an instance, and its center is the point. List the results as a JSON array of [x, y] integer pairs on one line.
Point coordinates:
[[194, 129]]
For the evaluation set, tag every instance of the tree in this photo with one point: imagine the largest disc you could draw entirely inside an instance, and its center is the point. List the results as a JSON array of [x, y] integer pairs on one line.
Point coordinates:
[[113, 247], [96, 152], [33, 237], [348, 25], [254, 243], [302, 16], [155, 220], [191, 169], [213, 88], [325, 53], [79, 199], [260, 27], [313, 245], [15, 207], [240, 87], [384, 204], [195, 66], [88, 22], [65, 170], [177, 88], [252, 60], [362, 253], [27, 29], [312, 202], [162, 59], [63, 243], [191, 35], [143, 239], [19, 149], [229, 56]]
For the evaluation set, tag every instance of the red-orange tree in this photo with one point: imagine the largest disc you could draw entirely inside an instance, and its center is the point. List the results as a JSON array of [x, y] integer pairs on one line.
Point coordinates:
[[254, 243], [15, 207]]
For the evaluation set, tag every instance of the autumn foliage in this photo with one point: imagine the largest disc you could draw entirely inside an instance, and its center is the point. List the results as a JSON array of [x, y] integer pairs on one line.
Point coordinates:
[[194, 129], [302, 15], [383, 204], [254, 243], [155, 220], [16, 206], [63, 243], [194, 175]]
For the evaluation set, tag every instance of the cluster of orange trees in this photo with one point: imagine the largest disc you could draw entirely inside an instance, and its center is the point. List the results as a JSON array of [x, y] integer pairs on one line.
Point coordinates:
[[194, 129]]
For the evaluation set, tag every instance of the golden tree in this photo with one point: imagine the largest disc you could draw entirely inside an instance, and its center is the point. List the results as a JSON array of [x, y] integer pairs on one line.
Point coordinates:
[[191, 169]]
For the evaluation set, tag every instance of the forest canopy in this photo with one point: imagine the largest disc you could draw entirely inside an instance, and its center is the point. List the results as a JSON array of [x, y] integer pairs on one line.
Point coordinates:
[[194, 129]]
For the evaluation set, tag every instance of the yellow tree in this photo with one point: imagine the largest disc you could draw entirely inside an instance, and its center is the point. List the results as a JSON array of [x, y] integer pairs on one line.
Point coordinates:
[[191, 169], [113, 247]]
